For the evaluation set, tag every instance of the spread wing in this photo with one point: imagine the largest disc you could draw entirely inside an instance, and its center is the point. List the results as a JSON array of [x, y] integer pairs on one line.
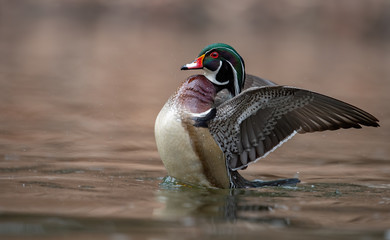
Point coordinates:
[[257, 121]]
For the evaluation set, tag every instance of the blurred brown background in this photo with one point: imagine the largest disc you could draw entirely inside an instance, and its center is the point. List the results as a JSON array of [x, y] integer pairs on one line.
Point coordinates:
[[86, 78]]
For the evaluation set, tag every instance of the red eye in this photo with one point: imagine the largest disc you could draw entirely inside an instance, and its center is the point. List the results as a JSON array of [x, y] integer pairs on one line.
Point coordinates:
[[214, 55]]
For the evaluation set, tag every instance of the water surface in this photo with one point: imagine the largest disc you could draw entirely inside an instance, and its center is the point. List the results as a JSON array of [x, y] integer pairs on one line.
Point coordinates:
[[82, 83]]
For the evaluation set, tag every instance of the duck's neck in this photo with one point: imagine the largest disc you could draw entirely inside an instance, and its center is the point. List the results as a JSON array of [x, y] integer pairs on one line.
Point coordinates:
[[196, 95]]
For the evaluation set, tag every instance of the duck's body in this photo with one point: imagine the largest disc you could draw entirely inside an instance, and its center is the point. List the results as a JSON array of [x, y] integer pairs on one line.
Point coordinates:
[[190, 153], [222, 121]]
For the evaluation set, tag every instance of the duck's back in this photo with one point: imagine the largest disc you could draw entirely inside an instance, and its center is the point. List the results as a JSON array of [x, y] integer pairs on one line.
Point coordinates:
[[253, 81]]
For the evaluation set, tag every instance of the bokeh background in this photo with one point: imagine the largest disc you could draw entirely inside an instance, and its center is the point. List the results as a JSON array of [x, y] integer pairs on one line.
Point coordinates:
[[84, 77], [82, 81]]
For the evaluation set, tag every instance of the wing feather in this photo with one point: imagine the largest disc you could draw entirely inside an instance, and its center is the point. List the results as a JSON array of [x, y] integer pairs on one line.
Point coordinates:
[[257, 121]]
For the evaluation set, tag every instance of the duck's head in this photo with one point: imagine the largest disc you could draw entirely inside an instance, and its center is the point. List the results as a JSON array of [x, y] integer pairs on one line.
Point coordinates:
[[222, 66]]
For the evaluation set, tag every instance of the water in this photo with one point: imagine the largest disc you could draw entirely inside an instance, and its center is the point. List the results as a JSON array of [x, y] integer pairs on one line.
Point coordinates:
[[79, 94], [120, 199], [111, 204]]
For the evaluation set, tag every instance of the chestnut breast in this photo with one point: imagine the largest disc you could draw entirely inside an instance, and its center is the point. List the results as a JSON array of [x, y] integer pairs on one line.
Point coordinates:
[[197, 94]]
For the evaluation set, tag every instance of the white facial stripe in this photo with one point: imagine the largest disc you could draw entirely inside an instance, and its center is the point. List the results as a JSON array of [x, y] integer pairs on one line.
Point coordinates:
[[242, 64], [236, 87], [211, 75]]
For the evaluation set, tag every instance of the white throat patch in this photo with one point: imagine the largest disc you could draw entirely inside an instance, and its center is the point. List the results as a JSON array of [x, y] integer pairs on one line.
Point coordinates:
[[212, 75]]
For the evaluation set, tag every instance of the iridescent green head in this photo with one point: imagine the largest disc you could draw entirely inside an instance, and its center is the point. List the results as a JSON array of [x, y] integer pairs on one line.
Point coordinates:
[[222, 65]]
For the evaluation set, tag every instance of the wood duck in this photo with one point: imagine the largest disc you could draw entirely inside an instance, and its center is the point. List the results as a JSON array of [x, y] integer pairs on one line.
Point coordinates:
[[222, 121]]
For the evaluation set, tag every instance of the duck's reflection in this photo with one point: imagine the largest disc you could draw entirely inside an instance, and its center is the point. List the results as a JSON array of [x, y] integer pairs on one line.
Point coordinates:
[[251, 205]]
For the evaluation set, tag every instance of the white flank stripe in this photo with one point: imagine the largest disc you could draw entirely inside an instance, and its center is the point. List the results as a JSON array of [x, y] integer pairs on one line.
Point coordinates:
[[202, 114]]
